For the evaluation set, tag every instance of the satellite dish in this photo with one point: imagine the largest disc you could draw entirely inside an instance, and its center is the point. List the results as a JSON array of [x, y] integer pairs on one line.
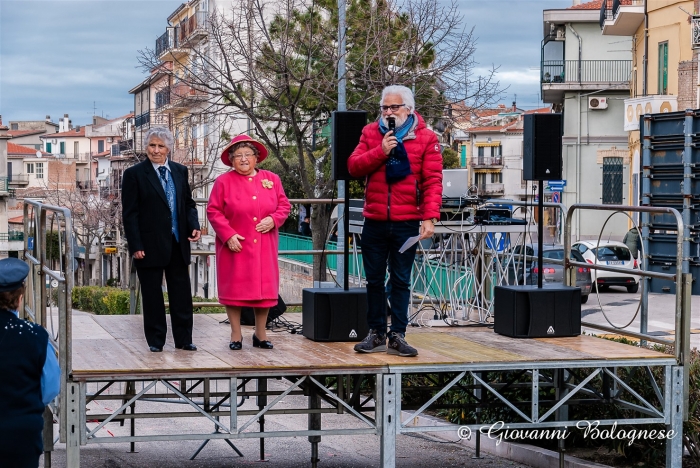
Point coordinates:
[[38, 154]]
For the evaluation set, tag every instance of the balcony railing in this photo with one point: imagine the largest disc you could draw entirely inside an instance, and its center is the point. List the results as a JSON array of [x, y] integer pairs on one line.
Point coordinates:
[[616, 21], [695, 31], [4, 184], [605, 13], [11, 236], [86, 184], [585, 71], [18, 179], [491, 189], [194, 27], [486, 161], [142, 119]]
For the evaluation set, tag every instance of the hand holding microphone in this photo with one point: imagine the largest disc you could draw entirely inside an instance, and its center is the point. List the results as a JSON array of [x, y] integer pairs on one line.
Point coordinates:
[[389, 141]]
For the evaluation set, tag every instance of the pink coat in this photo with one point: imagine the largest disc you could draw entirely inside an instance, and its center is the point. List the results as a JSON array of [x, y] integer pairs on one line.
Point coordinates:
[[236, 205]]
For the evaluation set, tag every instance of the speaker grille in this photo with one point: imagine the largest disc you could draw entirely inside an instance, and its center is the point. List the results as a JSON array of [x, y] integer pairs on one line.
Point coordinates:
[[346, 130], [542, 157]]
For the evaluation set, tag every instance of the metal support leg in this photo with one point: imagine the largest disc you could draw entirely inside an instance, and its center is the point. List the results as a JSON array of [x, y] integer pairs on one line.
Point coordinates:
[[478, 394], [47, 436], [389, 396], [262, 402], [674, 399], [315, 422], [75, 426]]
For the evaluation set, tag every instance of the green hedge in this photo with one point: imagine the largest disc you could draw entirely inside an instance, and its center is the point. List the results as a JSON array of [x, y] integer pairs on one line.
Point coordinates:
[[101, 301]]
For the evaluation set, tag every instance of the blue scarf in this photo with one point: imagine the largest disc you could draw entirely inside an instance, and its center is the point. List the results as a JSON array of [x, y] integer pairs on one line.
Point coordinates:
[[398, 166]]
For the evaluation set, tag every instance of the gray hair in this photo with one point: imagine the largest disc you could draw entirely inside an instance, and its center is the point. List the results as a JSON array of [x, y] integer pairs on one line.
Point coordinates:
[[161, 133], [405, 93]]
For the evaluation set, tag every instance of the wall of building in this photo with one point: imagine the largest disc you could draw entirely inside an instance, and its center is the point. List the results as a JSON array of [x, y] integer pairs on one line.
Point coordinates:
[[687, 84], [594, 45], [600, 130]]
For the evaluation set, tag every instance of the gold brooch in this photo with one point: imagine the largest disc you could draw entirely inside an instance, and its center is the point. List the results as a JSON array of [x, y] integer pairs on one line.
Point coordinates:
[[267, 183]]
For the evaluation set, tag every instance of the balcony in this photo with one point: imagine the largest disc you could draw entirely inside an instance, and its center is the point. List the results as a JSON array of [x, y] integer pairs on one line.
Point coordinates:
[[487, 162], [18, 180], [491, 189], [636, 107], [168, 46], [11, 236], [621, 17], [193, 29], [178, 98], [86, 185], [560, 76], [695, 32], [142, 119]]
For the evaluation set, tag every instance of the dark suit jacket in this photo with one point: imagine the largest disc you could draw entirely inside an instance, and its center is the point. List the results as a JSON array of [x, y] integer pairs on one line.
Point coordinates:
[[146, 214]]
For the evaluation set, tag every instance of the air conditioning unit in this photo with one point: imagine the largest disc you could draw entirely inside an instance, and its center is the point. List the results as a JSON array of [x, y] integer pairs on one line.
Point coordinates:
[[597, 102], [109, 139], [54, 141], [561, 34]]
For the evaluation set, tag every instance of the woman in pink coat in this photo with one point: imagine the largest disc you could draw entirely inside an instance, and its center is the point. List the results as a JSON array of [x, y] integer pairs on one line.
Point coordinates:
[[246, 208]]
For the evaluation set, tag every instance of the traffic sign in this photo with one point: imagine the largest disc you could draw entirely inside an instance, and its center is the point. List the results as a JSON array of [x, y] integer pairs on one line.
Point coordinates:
[[557, 185], [556, 197]]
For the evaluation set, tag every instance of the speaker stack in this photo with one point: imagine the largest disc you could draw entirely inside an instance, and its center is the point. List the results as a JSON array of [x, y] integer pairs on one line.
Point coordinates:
[[335, 314], [542, 147], [549, 310]]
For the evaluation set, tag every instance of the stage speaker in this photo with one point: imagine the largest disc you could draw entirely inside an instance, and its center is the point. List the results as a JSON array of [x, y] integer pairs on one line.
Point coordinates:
[[531, 312], [346, 129], [333, 314], [542, 147]]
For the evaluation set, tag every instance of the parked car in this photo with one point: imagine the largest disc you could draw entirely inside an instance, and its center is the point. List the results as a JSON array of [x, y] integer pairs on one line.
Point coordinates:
[[610, 253], [553, 272]]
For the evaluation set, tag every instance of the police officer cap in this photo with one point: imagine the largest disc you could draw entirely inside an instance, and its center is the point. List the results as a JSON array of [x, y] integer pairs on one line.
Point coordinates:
[[13, 271]]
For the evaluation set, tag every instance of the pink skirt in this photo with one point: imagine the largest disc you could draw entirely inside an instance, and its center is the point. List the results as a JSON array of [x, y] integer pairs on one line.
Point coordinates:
[[260, 303]]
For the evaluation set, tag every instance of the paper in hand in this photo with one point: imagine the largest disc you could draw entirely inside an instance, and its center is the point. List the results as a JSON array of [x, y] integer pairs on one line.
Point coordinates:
[[409, 242]]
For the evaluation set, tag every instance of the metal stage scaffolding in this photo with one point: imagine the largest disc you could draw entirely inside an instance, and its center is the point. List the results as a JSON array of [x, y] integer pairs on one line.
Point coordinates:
[[482, 377]]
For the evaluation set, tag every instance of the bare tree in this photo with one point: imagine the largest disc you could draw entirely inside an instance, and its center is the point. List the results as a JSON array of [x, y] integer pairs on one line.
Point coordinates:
[[95, 218], [275, 63]]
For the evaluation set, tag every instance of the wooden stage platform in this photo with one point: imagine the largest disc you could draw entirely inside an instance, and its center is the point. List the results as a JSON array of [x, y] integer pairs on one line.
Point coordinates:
[[114, 347]]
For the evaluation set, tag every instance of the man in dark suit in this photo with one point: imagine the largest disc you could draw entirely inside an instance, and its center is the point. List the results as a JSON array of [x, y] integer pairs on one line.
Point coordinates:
[[160, 220]]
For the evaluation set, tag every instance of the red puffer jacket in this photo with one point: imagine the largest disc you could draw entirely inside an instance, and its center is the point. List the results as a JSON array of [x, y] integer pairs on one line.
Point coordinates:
[[419, 195]]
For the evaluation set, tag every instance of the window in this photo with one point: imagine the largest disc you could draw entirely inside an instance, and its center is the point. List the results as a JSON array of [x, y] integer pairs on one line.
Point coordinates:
[[39, 170], [30, 168], [14, 126], [496, 178], [100, 146], [76, 149], [62, 146], [497, 151], [612, 181], [663, 68], [48, 147], [481, 178]]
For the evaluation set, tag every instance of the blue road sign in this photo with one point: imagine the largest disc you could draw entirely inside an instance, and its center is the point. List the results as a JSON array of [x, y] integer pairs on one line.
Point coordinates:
[[498, 241]]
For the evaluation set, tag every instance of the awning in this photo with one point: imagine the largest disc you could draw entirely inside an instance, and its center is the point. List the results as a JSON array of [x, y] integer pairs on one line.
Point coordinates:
[[487, 143], [478, 169]]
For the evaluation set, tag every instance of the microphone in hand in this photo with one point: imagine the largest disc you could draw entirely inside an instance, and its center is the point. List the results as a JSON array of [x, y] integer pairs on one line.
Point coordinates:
[[391, 122]]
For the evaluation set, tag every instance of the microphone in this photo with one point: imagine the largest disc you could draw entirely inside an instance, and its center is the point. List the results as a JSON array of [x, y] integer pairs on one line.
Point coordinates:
[[391, 122]]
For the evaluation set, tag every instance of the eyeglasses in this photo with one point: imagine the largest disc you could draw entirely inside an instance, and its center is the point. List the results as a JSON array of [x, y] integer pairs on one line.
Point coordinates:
[[244, 156], [393, 107]]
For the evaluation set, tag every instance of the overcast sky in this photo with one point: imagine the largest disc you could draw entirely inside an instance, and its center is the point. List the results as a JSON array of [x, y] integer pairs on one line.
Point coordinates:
[[79, 57]]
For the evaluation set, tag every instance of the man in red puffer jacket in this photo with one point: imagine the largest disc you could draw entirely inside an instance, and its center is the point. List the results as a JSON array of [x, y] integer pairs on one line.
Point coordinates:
[[403, 172]]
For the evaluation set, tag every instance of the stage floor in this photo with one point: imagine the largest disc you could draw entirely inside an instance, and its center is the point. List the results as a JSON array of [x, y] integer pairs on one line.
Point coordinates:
[[110, 346]]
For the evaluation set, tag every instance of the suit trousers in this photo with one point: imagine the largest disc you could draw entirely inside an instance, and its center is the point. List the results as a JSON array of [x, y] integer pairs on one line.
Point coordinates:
[[177, 277]]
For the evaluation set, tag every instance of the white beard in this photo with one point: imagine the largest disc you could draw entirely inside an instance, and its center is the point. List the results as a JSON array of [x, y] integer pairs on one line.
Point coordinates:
[[399, 121]]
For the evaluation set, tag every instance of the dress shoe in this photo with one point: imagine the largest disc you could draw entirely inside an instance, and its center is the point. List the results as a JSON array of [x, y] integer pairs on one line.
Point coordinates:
[[188, 347], [235, 345], [155, 349], [261, 344]]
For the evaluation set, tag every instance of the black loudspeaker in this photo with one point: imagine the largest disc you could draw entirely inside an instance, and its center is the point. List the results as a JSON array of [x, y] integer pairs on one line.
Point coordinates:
[[346, 129], [542, 147], [333, 314], [530, 312]]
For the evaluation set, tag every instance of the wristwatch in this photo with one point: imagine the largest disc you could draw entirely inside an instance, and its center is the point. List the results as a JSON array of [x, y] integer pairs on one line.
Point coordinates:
[[434, 220]]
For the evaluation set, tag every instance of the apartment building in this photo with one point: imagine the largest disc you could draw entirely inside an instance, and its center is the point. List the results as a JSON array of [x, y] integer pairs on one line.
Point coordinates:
[[586, 75]]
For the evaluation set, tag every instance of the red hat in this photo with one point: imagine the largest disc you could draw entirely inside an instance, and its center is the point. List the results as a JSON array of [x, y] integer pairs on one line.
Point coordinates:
[[262, 151]]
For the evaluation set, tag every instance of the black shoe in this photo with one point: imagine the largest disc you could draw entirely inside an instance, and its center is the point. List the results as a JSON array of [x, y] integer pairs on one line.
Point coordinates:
[[374, 342], [261, 344], [155, 349], [235, 345], [188, 347], [399, 347]]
